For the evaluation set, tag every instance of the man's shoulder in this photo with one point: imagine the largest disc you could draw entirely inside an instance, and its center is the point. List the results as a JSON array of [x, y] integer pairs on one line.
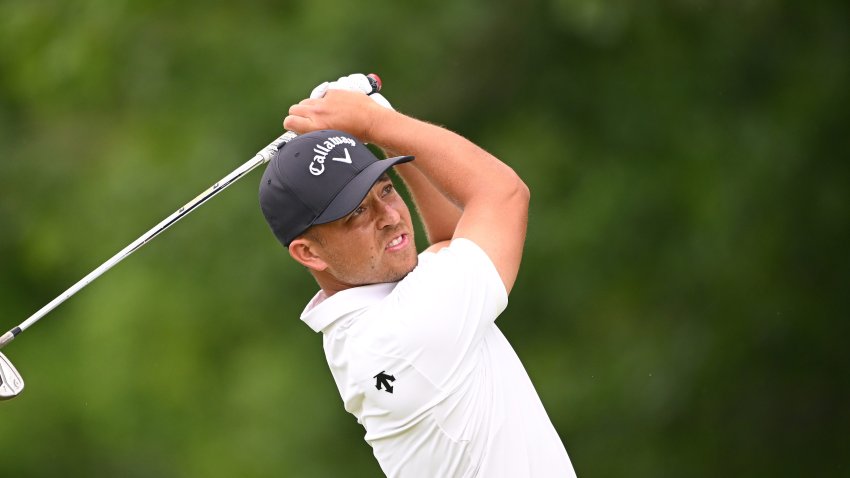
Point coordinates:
[[459, 250], [451, 261], [437, 246]]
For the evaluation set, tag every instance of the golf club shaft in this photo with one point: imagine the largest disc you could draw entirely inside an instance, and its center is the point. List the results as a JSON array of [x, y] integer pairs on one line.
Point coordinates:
[[262, 157]]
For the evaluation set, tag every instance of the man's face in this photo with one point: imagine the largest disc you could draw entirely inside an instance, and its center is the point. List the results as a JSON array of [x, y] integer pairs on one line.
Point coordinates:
[[373, 244]]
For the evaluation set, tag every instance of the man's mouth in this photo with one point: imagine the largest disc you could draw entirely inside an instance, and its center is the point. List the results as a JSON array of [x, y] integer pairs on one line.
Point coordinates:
[[397, 243]]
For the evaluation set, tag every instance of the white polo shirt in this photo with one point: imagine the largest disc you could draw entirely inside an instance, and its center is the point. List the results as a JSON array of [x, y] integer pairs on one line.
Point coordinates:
[[422, 366]]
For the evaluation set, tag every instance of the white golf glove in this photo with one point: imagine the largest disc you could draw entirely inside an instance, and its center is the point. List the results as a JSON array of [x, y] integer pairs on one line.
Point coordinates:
[[355, 82]]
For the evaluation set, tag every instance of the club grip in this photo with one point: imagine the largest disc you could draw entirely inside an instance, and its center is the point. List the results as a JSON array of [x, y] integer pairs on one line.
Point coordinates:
[[375, 81]]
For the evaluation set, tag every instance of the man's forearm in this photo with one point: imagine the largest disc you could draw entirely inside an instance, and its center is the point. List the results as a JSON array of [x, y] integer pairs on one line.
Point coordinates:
[[460, 170]]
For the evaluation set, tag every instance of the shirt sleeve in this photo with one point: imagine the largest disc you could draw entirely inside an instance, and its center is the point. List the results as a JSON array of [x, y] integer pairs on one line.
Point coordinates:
[[445, 305]]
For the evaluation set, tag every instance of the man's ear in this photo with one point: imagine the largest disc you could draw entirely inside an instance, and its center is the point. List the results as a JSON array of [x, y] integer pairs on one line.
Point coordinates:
[[305, 251]]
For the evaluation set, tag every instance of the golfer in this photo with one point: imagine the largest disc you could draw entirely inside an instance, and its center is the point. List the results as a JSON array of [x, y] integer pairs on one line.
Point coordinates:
[[411, 338]]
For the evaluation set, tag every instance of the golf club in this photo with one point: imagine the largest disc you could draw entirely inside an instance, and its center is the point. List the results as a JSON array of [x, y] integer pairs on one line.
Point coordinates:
[[11, 383]]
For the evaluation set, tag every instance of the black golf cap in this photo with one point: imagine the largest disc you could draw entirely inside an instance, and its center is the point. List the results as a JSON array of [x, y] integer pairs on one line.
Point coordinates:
[[318, 178]]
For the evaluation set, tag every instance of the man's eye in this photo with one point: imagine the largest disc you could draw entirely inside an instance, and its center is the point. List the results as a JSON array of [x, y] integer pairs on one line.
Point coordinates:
[[388, 189], [357, 211]]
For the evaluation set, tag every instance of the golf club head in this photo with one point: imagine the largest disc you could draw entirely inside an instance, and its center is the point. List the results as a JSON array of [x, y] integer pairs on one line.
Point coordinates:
[[11, 383]]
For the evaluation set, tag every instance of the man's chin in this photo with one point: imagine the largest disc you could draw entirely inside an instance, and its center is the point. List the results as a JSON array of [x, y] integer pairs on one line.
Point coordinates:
[[399, 275]]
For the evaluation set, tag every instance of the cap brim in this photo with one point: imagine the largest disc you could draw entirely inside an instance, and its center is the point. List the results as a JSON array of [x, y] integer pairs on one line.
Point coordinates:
[[353, 193]]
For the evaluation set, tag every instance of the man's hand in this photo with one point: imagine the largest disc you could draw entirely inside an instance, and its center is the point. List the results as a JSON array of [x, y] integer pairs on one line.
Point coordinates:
[[327, 109], [352, 112]]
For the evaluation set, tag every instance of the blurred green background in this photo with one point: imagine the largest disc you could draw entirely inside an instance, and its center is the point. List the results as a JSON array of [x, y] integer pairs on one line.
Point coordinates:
[[682, 307]]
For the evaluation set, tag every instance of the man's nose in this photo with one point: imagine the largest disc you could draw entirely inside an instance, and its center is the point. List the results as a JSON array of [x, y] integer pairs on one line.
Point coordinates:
[[389, 216]]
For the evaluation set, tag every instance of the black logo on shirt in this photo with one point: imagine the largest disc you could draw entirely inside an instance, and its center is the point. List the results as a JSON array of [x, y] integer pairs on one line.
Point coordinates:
[[384, 379]]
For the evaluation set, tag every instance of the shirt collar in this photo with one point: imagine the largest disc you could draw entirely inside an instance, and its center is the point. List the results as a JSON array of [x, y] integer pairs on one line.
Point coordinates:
[[322, 311]]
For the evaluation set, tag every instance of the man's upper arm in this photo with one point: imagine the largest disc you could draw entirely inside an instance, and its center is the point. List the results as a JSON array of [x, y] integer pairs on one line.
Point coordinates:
[[499, 229]]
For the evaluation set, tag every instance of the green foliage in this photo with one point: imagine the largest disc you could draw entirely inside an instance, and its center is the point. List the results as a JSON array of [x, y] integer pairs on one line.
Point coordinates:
[[683, 299]]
